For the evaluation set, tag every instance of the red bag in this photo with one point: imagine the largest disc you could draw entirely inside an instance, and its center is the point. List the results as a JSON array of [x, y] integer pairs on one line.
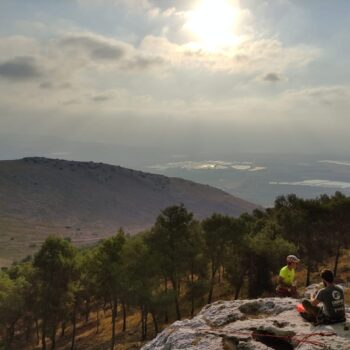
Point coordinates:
[[300, 308]]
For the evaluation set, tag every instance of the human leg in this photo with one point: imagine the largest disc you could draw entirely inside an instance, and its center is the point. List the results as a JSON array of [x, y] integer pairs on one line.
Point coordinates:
[[312, 313], [283, 292]]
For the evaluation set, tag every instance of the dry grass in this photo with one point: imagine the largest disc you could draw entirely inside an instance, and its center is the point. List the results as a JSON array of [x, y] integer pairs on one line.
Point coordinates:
[[87, 337]]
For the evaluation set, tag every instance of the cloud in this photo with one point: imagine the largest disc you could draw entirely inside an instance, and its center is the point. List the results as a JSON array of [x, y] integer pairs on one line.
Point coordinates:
[[46, 85], [101, 98], [96, 47], [106, 52], [325, 95], [250, 56], [20, 69], [272, 77], [163, 38], [143, 62], [136, 4]]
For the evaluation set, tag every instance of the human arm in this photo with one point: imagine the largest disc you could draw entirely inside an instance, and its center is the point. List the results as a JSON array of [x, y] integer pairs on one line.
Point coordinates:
[[314, 301], [281, 282], [317, 298]]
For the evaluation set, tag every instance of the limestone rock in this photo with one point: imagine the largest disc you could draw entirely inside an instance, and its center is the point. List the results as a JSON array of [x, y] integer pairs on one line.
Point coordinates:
[[261, 324]]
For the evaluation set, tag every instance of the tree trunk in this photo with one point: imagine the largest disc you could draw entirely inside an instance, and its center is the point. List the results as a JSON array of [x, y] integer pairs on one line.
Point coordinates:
[[178, 291], [211, 286], [192, 295], [87, 310], [53, 337], [308, 274], [10, 335], [63, 328], [29, 331], [239, 285], [251, 288], [176, 299], [166, 318], [12, 332], [337, 255], [43, 336], [97, 320], [144, 314], [146, 318], [74, 322], [155, 323], [37, 332], [124, 316], [142, 322], [114, 316], [104, 307]]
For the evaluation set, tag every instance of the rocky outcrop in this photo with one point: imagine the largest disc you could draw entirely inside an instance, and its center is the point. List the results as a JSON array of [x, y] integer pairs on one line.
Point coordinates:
[[261, 324]]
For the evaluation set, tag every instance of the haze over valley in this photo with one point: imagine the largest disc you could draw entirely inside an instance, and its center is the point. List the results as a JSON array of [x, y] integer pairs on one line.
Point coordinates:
[[258, 177]]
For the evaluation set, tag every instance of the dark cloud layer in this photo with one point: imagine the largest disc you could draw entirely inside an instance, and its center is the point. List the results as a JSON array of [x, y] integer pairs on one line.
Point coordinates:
[[95, 48], [103, 51], [272, 77], [19, 69], [101, 98], [143, 62]]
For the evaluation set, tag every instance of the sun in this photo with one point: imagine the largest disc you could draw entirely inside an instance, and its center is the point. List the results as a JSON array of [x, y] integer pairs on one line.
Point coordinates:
[[213, 22]]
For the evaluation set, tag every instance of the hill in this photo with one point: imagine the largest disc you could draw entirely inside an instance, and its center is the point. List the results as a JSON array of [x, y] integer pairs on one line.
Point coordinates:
[[87, 201]]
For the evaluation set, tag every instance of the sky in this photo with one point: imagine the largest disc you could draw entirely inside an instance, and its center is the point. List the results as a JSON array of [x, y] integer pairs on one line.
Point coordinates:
[[181, 76]]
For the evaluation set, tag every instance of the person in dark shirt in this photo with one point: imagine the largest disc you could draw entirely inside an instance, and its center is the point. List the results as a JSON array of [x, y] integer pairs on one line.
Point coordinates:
[[332, 299]]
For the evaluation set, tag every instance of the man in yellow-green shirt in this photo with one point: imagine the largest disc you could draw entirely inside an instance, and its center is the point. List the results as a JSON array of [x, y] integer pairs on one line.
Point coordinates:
[[286, 284]]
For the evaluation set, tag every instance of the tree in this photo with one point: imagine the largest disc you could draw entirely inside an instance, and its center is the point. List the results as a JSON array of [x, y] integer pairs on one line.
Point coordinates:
[[142, 279], [338, 225], [197, 282], [169, 241], [55, 264], [30, 311], [108, 264], [219, 232], [303, 222], [81, 289], [266, 250], [237, 260], [12, 304]]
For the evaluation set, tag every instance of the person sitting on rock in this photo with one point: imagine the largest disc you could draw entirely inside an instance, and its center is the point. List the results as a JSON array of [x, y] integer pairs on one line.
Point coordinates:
[[332, 299], [286, 284]]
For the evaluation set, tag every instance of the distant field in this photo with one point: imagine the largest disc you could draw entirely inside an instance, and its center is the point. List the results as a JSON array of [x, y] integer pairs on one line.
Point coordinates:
[[19, 238]]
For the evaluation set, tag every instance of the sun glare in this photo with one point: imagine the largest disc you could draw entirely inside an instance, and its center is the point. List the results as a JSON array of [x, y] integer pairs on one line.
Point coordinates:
[[213, 23]]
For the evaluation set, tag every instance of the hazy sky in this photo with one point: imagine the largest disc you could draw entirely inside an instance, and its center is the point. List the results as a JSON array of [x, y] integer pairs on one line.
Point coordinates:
[[249, 75]]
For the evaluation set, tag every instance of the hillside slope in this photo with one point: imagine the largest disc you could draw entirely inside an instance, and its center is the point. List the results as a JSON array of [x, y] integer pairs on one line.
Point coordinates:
[[87, 200]]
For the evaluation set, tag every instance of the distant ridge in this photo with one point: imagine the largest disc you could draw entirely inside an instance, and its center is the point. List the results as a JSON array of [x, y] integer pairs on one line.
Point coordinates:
[[87, 201]]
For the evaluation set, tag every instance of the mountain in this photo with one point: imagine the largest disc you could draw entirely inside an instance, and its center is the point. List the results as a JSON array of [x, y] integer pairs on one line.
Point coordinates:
[[87, 201]]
